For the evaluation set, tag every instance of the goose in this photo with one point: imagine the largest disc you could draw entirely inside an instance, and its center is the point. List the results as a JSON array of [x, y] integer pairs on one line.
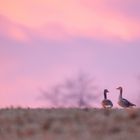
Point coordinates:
[[124, 102], [106, 103]]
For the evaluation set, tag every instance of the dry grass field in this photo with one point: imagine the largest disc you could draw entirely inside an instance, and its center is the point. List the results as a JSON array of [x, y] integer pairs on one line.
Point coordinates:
[[69, 124]]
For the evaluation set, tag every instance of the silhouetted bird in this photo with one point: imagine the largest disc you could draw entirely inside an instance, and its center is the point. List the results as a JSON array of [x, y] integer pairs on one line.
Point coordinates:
[[106, 103], [124, 102]]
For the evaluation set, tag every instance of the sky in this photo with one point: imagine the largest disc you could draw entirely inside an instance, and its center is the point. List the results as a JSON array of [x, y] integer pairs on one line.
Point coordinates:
[[42, 42]]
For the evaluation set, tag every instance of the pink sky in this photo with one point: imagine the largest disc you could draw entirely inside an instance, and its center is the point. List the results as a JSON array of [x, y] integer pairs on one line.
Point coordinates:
[[45, 41]]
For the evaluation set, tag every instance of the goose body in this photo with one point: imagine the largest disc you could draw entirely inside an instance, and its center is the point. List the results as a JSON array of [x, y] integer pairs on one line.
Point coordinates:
[[106, 103], [124, 102]]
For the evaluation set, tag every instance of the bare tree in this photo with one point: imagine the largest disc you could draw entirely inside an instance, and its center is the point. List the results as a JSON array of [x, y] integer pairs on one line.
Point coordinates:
[[78, 92]]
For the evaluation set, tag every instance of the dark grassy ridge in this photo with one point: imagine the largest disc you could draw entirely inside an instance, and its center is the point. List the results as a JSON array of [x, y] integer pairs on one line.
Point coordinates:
[[69, 124]]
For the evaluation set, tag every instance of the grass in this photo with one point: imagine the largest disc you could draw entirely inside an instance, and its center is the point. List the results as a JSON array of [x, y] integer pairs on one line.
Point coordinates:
[[69, 124]]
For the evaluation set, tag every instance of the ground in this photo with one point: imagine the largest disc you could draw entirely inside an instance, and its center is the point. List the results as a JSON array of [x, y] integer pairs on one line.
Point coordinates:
[[69, 124]]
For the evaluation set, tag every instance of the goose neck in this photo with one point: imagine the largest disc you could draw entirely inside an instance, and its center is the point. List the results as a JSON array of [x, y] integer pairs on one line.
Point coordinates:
[[105, 96], [120, 96]]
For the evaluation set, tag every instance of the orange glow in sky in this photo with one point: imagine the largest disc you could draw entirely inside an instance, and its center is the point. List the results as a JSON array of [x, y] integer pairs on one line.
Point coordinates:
[[86, 18]]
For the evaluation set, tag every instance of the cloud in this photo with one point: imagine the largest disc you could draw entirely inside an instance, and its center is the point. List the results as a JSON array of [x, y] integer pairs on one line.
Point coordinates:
[[127, 8], [61, 20], [12, 30]]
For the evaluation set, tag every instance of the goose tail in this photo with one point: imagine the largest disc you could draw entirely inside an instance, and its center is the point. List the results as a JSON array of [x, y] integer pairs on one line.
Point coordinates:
[[132, 104]]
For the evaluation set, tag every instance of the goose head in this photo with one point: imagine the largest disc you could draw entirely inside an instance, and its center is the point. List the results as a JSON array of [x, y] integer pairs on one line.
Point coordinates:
[[119, 88], [106, 91]]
